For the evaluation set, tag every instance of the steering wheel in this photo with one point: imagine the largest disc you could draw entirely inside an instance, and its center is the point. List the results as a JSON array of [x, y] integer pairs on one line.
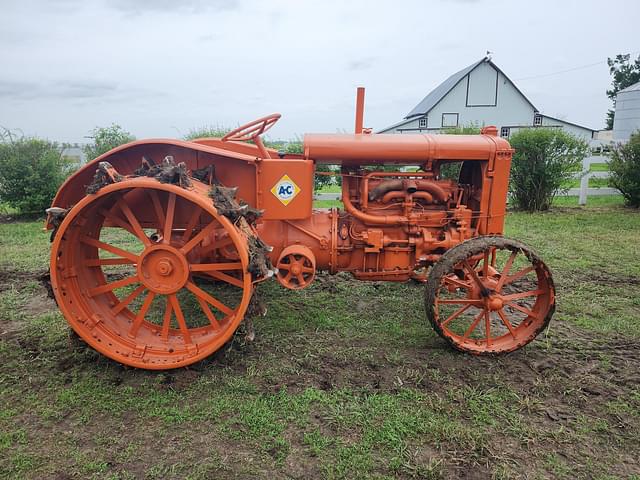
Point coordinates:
[[252, 130]]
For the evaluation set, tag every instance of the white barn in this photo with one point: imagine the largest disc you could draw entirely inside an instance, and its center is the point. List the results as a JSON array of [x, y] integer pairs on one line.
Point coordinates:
[[480, 94]]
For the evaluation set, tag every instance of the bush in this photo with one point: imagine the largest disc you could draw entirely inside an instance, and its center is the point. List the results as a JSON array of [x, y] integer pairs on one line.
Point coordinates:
[[105, 139], [544, 161], [206, 132], [31, 171], [624, 168]]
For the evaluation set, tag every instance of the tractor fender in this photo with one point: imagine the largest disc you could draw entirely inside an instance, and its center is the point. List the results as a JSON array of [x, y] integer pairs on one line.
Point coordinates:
[[126, 158]]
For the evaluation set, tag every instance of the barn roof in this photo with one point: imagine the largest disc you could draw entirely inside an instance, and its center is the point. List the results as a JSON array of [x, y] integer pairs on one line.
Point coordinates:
[[631, 88], [438, 93]]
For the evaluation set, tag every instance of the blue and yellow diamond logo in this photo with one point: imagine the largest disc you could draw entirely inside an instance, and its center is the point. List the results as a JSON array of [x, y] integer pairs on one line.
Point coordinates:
[[285, 189]]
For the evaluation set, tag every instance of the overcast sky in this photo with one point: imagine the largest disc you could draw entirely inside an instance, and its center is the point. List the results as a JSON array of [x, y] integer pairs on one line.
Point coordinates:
[[159, 68]]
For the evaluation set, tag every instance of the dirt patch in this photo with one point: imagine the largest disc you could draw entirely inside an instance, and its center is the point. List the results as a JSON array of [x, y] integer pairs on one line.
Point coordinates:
[[12, 278], [604, 278]]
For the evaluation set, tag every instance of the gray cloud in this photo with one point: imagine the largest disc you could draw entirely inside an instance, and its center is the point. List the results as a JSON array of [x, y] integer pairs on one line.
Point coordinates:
[[137, 7], [62, 89], [150, 65], [361, 63]]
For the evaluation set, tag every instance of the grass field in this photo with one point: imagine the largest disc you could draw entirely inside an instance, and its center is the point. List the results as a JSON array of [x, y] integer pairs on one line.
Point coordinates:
[[344, 380]]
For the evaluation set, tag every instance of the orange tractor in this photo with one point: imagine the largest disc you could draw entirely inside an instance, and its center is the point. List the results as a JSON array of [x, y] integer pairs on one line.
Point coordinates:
[[158, 245]]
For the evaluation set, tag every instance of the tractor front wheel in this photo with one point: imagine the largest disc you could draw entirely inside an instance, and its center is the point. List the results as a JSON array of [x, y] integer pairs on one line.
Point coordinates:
[[490, 295]]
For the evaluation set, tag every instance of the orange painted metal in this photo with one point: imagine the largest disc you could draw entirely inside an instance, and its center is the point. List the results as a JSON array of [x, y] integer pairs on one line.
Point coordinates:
[[162, 269], [296, 267], [359, 110], [394, 224]]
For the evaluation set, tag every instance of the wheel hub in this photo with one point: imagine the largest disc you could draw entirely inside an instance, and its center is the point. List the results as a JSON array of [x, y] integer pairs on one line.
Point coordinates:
[[163, 269], [295, 268], [494, 302]]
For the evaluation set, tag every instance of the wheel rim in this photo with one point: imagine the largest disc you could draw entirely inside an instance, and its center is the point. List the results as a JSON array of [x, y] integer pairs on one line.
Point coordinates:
[[296, 267], [496, 299], [129, 266]]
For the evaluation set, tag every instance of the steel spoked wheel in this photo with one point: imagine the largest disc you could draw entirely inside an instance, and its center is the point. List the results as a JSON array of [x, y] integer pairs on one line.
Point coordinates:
[[490, 295], [139, 274], [296, 267]]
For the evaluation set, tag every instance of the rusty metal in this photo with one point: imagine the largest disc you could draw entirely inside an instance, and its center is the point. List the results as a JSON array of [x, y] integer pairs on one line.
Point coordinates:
[[168, 227]]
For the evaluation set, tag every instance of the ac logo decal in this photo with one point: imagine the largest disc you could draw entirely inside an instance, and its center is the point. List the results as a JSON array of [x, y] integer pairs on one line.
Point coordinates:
[[285, 189]]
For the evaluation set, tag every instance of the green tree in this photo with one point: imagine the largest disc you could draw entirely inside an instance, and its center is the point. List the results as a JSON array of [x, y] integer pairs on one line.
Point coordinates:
[[624, 167], [105, 139], [31, 171], [625, 73], [544, 161]]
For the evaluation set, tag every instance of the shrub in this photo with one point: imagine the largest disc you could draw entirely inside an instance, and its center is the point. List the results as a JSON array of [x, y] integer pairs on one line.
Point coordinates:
[[544, 161], [624, 168], [105, 139], [206, 132], [31, 170]]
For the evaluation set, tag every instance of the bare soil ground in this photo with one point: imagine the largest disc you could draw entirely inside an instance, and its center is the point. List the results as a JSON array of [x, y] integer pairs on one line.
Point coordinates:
[[344, 380]]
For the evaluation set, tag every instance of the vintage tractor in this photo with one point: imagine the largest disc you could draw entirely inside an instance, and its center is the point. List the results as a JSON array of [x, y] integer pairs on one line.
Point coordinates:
[[158, 245]]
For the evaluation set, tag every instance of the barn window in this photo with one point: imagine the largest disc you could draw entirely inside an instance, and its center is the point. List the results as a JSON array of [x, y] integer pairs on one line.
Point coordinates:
[[537, 120], [504, 132], [422, 123], [449, 119]]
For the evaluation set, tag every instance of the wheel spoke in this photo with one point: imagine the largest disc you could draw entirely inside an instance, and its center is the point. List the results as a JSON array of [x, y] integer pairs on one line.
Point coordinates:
[[116, 220], [209, 314], [284, 266], [473, 326], [109, 248], [182, 324], [168, 223], [518, 275], [455, 315], [157, 207], [208, 267], [226, 278], [460, 301], [133, 221], [166, 320], [473, 274], [195, 216], [218, 244], [113, 285], [133, 332], [494, 256], [487, 326], [133, 295], [198, 238], [287, 277], [198, 292], [506, 322], [515, 296], [99, 262], [308, 270], [505, 270], [300, 279], [526, 311], [485, 264], [452, 279]]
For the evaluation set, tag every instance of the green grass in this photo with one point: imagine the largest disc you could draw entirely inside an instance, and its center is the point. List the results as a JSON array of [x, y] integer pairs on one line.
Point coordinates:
[[345, 379], [329, 189]]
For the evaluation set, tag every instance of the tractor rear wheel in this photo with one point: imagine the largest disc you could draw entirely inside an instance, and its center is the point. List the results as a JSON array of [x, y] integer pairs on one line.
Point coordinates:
[[490, 295], [127, 269]]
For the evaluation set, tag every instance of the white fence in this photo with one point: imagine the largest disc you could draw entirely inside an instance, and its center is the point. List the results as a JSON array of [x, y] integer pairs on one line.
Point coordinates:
[[584, 191]]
